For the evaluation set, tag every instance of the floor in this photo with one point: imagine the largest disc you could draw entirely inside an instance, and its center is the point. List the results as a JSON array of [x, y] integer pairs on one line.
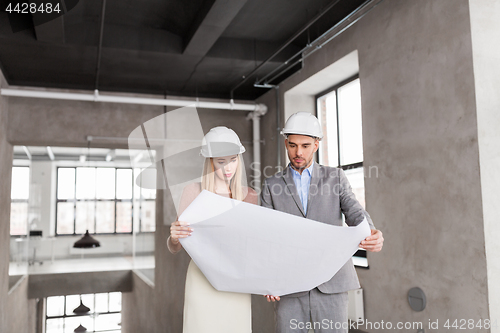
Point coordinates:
[[83, 265], [144, 264]]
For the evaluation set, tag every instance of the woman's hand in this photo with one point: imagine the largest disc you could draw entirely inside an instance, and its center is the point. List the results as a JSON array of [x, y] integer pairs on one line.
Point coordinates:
[[179, 229]]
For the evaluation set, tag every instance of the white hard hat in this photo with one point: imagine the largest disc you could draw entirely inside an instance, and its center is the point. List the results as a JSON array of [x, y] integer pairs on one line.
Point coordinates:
[[221, 141], [303, 123]]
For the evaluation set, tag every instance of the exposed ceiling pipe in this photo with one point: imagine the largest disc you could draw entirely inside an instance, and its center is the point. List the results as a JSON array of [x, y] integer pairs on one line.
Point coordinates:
[[94, 138], [50, 153], [26, 150], [111, 155], [99, 49], [278, 127], [319, 42], [96, 97], [256, 167], [288, 42]]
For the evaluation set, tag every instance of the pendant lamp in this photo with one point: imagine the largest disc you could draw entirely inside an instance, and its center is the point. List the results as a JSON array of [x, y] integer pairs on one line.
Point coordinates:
[[81, 309], [80, 329], [87, 241]]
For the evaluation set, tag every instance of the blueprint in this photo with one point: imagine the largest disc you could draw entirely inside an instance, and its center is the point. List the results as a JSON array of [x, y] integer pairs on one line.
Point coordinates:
[[241, 247]]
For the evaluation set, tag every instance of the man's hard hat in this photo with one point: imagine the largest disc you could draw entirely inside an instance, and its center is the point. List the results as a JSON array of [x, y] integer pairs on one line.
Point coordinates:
[[303, 123], [221, 141]]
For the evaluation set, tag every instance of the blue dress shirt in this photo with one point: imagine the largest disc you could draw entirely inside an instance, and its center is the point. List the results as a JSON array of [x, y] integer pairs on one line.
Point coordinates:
[[302, 182]]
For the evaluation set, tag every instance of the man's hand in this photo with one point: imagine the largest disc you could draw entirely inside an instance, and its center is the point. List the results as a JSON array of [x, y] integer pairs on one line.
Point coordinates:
[[374, 242], [271, 298]]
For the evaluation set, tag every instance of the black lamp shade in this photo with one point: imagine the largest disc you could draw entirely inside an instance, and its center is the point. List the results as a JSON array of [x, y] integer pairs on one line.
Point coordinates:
[[81, 309], [80, 329], [86, 242]]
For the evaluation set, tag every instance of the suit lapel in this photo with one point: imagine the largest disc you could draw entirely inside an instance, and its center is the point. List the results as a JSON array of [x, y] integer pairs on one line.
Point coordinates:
[[288, 178], [313, 186]]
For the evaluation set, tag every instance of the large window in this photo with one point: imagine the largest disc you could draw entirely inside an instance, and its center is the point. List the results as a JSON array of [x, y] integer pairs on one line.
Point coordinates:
[[339, 112], [104, 314], [19, 200], [144, 199], [101, 200]]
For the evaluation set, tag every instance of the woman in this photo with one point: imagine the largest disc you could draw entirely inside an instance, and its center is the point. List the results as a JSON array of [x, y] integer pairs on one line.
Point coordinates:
[[207, 310]]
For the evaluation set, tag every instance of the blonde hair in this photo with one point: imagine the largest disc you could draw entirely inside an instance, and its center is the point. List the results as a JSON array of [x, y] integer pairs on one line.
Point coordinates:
[[236, 187]]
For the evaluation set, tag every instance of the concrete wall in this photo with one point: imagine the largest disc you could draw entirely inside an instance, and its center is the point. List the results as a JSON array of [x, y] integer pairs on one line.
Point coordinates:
[[45, 285], [5, 176], [21, 311], [17, 313], [270, 135], [138, 312], [485, 26], [40, 122], [158, 307], [420, 131]]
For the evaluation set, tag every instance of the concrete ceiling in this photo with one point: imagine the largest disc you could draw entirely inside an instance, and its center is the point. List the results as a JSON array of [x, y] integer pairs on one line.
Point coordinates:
[[188, 48], [73, 154]]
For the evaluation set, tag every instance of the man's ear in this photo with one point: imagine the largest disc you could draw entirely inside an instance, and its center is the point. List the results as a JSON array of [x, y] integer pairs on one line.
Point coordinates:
[[316, 145], [286, 143]]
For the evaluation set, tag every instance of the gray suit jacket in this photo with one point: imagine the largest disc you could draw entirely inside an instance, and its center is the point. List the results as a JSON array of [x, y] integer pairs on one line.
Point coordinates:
[[330, 195]]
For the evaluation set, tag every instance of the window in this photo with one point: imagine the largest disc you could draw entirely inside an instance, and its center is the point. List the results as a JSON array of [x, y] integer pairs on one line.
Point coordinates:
[[147, 205], [339, 112], [19, 201], [104, 314], [101, 200]]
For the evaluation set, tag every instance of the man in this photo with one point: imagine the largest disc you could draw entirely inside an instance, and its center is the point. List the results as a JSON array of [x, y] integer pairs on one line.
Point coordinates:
[[322, 194]]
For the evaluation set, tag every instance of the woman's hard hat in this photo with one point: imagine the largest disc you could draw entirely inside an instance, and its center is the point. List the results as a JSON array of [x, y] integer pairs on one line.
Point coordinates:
[[303, 123], [221, 141]]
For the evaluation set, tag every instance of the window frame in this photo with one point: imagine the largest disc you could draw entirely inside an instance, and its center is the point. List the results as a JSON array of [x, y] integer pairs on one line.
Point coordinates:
[[93, 314], [95, 200], [141, 201], [360, 252], [326, 92]]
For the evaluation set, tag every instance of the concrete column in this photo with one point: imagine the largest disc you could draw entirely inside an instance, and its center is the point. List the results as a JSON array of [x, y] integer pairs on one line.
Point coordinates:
[[5, 183], [485, 28]]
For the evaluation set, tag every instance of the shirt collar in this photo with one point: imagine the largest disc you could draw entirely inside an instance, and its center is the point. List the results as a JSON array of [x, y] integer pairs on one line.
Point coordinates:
[[309, 169]]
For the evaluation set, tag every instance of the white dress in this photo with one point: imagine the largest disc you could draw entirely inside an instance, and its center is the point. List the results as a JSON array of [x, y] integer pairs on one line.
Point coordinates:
[[207, 310]]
